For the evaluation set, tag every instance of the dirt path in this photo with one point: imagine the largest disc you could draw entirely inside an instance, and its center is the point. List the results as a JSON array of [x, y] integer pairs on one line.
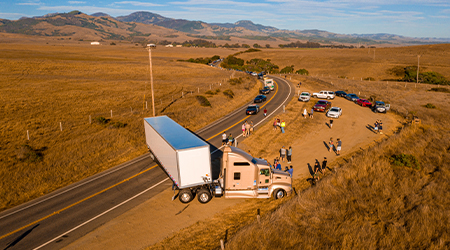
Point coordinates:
[[160, 217]]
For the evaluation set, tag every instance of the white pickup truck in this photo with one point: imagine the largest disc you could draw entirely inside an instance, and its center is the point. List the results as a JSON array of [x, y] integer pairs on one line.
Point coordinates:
[[324, 95]]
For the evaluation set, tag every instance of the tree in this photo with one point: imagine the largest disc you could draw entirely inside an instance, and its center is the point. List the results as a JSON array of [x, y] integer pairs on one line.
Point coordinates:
[[245, 46], [256, 45], [287, 69], [267, 45]]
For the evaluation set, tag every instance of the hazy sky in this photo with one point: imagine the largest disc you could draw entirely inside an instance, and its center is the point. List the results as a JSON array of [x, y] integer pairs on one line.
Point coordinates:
[[414, 18]]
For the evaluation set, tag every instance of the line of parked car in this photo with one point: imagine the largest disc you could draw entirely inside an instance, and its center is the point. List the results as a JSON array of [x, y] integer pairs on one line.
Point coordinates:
[[336, 112]]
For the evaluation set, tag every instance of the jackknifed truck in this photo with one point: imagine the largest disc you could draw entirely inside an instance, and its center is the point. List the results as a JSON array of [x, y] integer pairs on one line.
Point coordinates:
[[186, 159]]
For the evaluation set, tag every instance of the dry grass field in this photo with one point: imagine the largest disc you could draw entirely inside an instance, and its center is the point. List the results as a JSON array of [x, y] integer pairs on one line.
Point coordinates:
[[368, 202], [60, 84]]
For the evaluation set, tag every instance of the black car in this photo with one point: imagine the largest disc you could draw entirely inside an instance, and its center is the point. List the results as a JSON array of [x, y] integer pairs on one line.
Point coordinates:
[[340, 93], [352, 97], [260, 98], [252, 109], [265, 90]]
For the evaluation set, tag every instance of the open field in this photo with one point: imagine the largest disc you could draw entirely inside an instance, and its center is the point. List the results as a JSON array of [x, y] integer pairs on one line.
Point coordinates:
[[366, 201], [47, 87]]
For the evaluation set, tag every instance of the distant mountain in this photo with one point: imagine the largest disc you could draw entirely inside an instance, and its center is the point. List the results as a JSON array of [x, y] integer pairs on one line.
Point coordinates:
[[143, 17], [100, 14], [246, 24]]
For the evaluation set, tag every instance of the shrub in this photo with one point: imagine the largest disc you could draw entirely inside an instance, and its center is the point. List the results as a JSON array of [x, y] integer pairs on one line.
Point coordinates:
[[118, 125], [287, 69], [405, 160], [429, 106], [28, 154], [217, 91], [302, 72], [112, 43], [369, 78], [444, 90], [209, 92], [203, 101], [101, 120], [228, 93], [234, 81]]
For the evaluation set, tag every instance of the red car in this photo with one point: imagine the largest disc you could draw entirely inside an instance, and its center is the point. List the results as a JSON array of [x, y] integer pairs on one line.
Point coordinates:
[[364, 103], [322, 106]]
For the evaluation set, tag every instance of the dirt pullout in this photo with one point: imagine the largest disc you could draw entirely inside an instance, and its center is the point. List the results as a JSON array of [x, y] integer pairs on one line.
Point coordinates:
[[159, 217]]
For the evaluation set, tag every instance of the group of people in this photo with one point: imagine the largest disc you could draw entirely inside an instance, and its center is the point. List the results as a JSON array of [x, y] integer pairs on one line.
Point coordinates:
[[279, 123], [337, 147], [378, 127], [318, 168], [286, 153], [305, 113], [247, 128], [277, 165], [227, 140]]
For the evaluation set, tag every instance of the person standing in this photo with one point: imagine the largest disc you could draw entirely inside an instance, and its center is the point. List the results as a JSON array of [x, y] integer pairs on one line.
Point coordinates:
[[230, 139], [282, 153], [339, 145], [251, 127], [291, 171], [243, 129], [330, 144], [331, 123], [311, 114], [316, 170], [324, 164], [278, 166], [275, 124], [247, 129], [265, 112], [289, 154], [224, 138], [305, 113], [282, 125], [375, 127], [380, 127]]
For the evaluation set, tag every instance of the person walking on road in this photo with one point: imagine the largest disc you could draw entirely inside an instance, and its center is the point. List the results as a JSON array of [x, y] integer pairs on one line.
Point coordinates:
[[289, 154], [282, 154], [265, 112], [247, 129], [330, 144], [339, 145], [282, 125], [224, 138]]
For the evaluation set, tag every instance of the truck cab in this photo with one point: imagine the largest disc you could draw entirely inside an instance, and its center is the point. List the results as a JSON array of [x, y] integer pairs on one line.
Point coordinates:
[[269, 83], [243, 176]]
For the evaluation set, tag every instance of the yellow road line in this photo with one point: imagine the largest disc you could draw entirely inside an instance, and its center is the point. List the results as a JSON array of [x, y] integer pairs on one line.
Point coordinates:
[[76, 203], [104, 190], [276, 91]]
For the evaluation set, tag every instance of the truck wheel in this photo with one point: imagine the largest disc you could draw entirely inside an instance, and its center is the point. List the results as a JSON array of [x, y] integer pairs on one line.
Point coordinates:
[[185, 195], [278, 194], [328, 97], [314, 96], [204, 196]]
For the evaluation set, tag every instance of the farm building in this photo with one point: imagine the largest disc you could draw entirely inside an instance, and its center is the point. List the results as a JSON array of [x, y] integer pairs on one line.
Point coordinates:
[[95, 43]]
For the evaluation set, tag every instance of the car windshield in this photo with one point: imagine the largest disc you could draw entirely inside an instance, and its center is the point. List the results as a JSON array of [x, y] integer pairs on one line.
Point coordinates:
[[307, 94], [322, 102], [334, 110], [251, 108]]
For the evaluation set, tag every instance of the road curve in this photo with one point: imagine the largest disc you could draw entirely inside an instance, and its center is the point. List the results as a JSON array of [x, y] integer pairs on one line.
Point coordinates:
[[59, 218]]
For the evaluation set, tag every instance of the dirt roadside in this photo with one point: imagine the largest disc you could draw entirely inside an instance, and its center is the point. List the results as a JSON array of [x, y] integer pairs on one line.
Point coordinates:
[[160, 217]]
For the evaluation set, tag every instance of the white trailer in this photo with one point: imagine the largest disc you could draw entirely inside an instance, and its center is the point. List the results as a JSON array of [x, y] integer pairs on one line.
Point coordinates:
[[269, 83], [185, 158]]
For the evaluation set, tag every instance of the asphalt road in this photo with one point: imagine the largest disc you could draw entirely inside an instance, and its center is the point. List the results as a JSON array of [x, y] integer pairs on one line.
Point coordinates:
[[59, 218]]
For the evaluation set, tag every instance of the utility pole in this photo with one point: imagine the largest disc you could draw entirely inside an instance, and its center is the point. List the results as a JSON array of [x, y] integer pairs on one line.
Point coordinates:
[[417, 78], [149, 48]]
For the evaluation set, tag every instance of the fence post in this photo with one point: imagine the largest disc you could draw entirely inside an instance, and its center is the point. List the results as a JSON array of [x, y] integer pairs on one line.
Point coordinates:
[[60, 125], [284, 108], [90, 120], [146, 104], [222, 246], [198, 91], [258, 216], [111, 112], [182, 94], [298, 92], [235, 142], [28, 135]]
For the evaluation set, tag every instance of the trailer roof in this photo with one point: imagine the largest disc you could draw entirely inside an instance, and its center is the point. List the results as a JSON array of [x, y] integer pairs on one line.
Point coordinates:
[[177, 136]]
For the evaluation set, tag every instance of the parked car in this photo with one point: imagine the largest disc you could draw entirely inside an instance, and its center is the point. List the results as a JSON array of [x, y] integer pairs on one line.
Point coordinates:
[[252, 109], [265, 90], [334, 112], [324, 95], [380, 107], [322, 106], [260, 98], [364, 103], [304, 97], [340, 93], [352, 97]]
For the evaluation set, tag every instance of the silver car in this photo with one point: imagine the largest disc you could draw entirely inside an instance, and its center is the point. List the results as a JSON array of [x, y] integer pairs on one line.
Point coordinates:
[[334, 112], [304, 97]]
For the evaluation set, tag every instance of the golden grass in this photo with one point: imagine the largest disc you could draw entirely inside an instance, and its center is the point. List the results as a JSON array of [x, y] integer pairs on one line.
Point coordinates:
[[43, 85], [366, 203]]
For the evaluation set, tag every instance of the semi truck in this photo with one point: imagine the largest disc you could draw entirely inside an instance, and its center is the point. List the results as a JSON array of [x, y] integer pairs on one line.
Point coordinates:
[[186, 159]]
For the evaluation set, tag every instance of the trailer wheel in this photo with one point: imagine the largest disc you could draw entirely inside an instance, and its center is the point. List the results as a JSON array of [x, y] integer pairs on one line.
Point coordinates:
[[278, 194], [185, 195], [204, 196]]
